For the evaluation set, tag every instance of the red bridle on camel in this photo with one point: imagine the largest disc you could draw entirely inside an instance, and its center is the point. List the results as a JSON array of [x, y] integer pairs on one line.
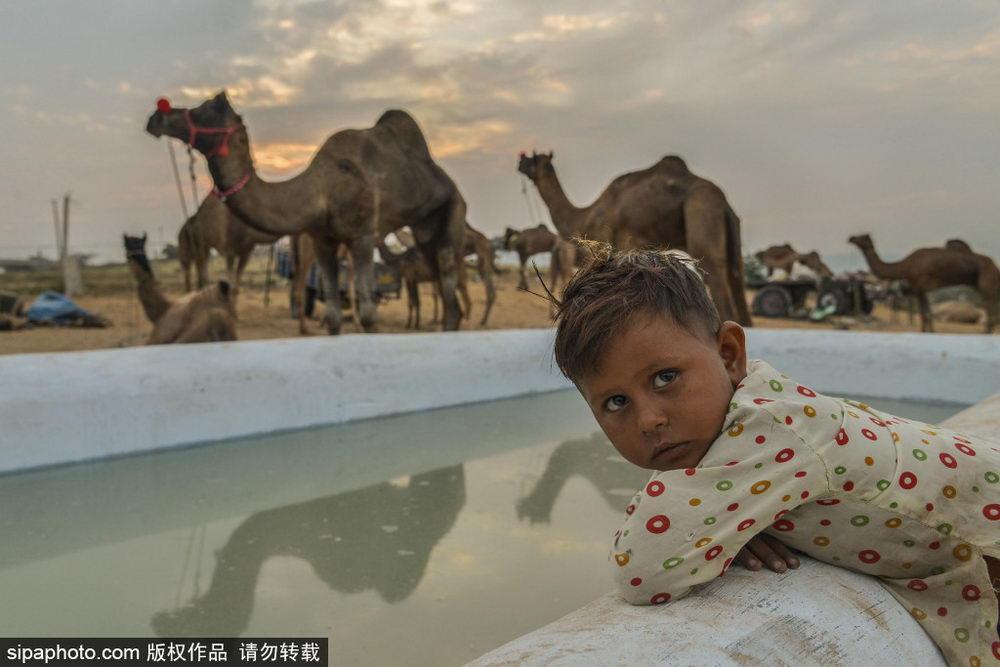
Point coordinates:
[[222, 149]]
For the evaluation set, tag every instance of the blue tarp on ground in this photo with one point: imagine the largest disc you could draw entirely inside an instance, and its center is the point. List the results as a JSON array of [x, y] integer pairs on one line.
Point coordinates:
[[56, 308]]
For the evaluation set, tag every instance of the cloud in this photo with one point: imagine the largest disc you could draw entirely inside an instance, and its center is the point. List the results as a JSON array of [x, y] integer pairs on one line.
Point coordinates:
[[283, 157], [263, 91], [457, 139]]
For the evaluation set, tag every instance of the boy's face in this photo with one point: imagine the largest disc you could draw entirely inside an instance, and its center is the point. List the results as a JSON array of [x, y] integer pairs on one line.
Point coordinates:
[[661, 393]]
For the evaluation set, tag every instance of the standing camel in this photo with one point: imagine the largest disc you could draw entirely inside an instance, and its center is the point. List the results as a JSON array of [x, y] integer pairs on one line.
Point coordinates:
[[413, 270], [214, 226], [664, 205], [197, 317], [360, 185], [927, 269], [476, 243], [528, 242]]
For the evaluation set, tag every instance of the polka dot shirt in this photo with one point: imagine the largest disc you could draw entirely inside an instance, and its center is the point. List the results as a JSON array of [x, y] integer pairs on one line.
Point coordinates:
[[913, 504]]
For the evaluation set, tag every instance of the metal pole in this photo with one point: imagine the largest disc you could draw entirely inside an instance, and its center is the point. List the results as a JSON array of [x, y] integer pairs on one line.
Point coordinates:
[[267, 276], [65, 224], [177, 178], [58, 226]]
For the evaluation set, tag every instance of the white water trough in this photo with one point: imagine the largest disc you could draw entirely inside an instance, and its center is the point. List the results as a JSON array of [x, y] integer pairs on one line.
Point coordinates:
[[64, 408]]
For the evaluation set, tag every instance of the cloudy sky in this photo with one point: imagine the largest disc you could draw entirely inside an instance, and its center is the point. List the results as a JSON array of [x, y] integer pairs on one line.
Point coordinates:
[[818, 118]]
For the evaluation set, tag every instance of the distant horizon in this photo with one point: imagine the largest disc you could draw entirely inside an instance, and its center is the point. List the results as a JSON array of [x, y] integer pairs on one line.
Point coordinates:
[[819, 119]]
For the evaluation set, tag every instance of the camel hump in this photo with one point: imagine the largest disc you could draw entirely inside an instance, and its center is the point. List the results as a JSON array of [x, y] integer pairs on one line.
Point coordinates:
[[404, 128], [673, 163]]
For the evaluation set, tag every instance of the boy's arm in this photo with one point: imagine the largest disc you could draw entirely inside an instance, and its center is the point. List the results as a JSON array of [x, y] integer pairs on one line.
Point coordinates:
[[686, 526]]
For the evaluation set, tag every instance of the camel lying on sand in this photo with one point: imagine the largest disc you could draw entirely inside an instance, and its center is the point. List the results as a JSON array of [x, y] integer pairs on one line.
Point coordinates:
[[958, 311], [214, 226], [927, 269], [783, 257], [197, 317]]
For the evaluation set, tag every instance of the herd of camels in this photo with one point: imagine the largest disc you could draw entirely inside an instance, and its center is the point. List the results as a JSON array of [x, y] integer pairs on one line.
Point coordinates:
[[364, 184]]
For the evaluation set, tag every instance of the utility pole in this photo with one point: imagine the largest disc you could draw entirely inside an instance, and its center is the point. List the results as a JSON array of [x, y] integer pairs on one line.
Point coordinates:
[[72, 280]]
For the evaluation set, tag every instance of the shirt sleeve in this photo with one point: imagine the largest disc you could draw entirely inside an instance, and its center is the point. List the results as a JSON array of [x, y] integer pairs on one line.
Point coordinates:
[[685, 526]]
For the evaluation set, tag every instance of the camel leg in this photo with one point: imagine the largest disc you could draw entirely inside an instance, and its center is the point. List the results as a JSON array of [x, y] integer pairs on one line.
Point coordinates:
[[554, 274], [523, 282], [362, 257], [326, 257], [926, 320], [440, 252], [436, 317], [186, 268], [201, 269], [412, 303], [491, 290], [236, 276], [706, 242], [463, 288], [989, 288]]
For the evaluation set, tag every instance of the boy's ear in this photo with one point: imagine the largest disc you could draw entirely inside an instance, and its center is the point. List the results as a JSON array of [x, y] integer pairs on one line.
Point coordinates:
[[732, 345]]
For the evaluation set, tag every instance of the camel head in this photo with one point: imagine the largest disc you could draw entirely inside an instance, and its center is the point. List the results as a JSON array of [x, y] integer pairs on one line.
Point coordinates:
[[863, 241], [135, 254], [203, 127], [819, 267], [531, 166]]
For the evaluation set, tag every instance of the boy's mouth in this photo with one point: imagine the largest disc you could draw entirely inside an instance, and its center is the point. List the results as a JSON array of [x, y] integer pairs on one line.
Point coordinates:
[[665, 448]]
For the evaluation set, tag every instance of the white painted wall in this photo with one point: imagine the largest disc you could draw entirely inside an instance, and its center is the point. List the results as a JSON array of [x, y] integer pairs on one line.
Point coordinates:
[[58, 408]]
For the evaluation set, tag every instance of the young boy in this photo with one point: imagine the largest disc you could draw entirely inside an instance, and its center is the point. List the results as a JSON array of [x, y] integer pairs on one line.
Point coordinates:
[[742, 451]]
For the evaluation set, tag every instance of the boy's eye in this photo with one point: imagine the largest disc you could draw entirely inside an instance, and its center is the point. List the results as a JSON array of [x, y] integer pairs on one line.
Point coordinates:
[[663, 378], [615, 403]]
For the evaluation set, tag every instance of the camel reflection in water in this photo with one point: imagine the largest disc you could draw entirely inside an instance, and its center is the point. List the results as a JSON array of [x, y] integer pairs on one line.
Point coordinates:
[[595, 460], [379, 537]]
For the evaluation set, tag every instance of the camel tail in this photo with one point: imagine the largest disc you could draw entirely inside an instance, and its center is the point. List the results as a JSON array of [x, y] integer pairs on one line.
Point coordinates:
[[734, 252]]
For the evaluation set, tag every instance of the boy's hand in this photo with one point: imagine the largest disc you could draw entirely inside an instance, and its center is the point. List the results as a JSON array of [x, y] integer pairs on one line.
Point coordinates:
[[765, 550]]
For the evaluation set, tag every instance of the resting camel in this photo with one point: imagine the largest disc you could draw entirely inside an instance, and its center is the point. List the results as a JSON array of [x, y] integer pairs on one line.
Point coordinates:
[[360, 186], [337, 536], [927, 269], [197, 317], [664, 205], [214, 226], [784, 257], [528, 242]]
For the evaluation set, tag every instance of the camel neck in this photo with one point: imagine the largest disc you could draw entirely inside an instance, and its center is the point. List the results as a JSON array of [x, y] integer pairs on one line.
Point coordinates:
[[288, 207], [153, 301], [565, 216], [888, 270]]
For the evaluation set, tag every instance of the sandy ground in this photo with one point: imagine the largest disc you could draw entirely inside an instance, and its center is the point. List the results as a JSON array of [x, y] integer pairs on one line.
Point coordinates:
[[513, 309]]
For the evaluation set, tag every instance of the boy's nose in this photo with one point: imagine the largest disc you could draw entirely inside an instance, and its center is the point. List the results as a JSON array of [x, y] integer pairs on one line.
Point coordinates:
[[652, 420]]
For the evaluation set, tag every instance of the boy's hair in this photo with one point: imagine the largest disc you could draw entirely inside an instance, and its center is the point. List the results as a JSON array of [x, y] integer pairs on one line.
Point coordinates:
[[616, 287]]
